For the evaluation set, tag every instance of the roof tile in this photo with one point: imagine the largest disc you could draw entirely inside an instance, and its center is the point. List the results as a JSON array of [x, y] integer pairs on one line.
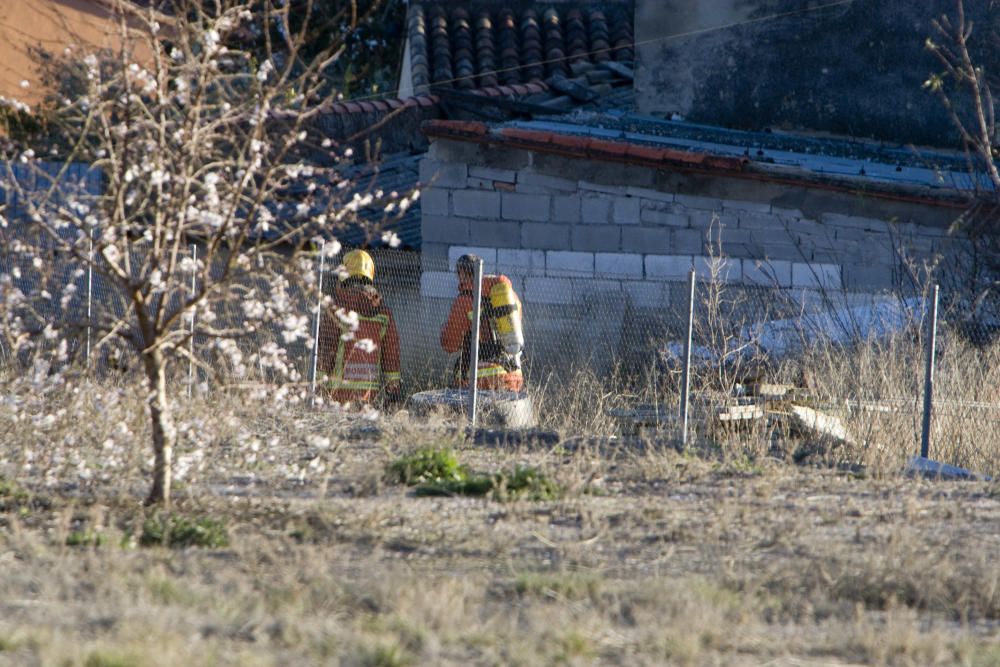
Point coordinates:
[[453, 46]]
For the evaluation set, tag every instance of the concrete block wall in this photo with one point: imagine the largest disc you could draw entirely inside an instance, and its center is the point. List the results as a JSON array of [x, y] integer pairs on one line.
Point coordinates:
[[571, 233]]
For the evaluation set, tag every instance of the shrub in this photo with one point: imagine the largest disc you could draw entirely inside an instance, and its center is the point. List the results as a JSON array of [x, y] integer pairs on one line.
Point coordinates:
[[473, 485], [84, 538], [101, 659], [437, 472], [174, 530], [428, 465], [526, 484], [12, 495]]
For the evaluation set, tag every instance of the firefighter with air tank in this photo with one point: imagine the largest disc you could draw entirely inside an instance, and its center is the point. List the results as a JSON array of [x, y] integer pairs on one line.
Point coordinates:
[[501, 337]]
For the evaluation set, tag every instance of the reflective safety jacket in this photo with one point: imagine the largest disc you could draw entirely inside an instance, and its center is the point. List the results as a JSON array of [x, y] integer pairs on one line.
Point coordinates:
[[496, 369], [358, 368]]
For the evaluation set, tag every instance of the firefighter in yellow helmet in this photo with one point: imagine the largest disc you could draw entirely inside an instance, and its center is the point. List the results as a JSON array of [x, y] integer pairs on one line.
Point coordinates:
[[358, 339]]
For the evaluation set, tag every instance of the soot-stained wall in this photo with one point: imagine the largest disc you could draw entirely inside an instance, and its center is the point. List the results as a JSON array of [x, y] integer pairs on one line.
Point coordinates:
[[853, 69]]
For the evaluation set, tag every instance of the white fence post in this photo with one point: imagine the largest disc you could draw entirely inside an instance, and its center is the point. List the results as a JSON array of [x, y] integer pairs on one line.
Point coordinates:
[[194, 276], [319, 314], [477, 296], [90, 294], [925, 434], [686, 378]]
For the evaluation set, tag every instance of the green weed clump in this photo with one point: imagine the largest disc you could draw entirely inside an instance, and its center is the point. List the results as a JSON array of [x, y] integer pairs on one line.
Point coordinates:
[[174, 530], [526, 483], [102, 659], [385, 655], [12, 496], [437, 472], [427, 465], [84, 538]]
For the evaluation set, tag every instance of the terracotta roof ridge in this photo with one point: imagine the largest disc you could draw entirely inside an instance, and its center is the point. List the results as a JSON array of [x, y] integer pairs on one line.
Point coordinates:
[[427, 100]]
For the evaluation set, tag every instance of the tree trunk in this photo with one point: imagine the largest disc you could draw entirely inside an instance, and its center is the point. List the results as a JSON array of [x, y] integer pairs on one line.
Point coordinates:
[[164, 432]]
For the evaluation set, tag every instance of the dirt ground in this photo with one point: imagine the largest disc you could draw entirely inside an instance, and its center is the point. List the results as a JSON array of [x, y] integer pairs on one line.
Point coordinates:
[[648, 557]]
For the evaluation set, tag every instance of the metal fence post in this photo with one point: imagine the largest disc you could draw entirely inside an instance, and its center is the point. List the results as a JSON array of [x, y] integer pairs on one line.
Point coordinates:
[[194, 277], [925, 436], [686, 377], [319, 313], [477, 295], [90, 294]]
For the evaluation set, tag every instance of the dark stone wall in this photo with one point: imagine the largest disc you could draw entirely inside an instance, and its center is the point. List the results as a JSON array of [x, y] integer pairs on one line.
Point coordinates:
[[855, 69]]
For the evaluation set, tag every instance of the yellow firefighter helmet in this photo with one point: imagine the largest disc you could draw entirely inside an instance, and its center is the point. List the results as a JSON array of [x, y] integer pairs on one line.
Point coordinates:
[[359, 264]]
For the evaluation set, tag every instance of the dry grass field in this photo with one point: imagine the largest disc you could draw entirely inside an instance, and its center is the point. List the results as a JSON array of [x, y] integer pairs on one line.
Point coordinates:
[[313, 554]]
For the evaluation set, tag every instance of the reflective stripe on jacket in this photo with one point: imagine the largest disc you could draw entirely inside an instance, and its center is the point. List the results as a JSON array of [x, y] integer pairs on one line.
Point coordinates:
[[356, 371]]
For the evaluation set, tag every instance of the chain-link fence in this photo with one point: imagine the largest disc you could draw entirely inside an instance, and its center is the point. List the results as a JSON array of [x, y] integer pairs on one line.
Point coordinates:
[[604, 355]]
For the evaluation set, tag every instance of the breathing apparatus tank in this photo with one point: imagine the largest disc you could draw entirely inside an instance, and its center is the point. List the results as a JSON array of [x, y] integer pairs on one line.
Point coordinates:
[[507, 315]]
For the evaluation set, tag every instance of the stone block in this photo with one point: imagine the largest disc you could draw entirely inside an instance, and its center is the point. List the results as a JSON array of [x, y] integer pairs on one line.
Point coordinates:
[[597, 289], [433, 256], [787, 251], [773, 273], [806, 227], [618, 265], [647, 294], [476, 203], [489, 256], [696, 202], [492, 174], [757, 220], [521, 262], [626, 211], [569, 263], [507, 158], [595, 209], [434, 201], [869, 277], [548, 290], [495, 233], [593, 238], [443, 174], [788, 213], [814, 275], [566, 208], [544, 236], [545, 183], [742, 205], [439, 284], [647, 240], [667, 217], [721, 269], [706, 220], [526, 207], [444, 150], [771, 236], [483, 183], [729, 235], [689, 241], [443, 229], [617, 190], [668, 267], [649, 194], [840, 220]]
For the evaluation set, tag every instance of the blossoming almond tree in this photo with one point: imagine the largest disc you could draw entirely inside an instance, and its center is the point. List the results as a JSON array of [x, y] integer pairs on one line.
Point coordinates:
[[194, 126]]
